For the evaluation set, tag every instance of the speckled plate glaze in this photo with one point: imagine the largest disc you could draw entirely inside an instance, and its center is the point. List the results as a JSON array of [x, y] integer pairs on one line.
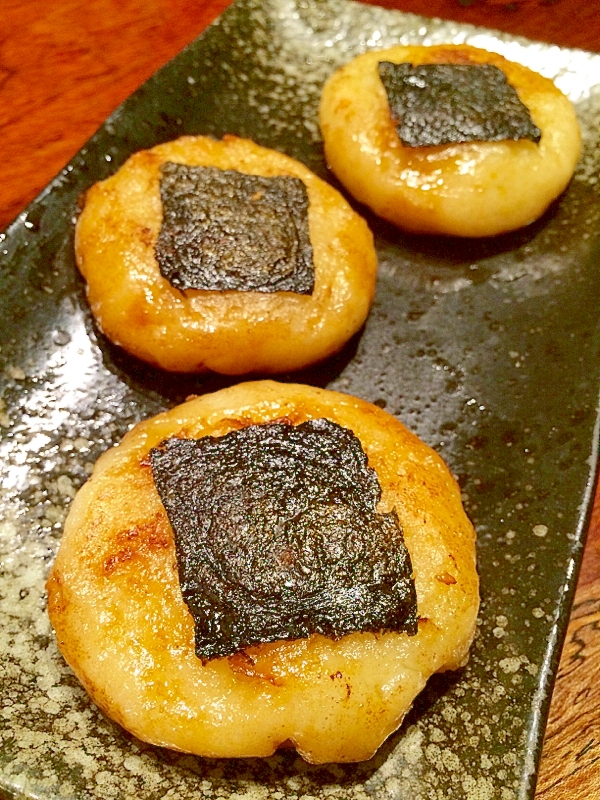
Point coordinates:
[[489, 350]]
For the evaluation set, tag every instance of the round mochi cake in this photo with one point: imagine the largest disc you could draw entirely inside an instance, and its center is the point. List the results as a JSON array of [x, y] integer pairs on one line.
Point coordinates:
[[449, 139], [221, 255], [272, 565]]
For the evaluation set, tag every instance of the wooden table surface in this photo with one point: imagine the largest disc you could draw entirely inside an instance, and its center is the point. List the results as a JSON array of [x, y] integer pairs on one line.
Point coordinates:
[[66, 64]]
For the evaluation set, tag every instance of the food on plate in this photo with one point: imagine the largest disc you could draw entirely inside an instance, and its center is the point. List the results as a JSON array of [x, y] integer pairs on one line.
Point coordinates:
[[449, 139], [221, 255], [272, 565]]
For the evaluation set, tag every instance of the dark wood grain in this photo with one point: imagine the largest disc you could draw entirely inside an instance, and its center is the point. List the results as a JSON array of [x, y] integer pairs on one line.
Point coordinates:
[[564, 22], [570, 768], [66, 64]]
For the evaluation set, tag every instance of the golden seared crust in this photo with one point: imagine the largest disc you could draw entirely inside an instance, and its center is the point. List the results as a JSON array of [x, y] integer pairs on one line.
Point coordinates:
[[468, 189], [231, 332], [116, 606]]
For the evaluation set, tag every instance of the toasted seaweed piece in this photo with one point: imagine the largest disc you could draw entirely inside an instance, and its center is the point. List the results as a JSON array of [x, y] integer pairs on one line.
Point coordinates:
[[277, 536], [435, 104], [225, 230]]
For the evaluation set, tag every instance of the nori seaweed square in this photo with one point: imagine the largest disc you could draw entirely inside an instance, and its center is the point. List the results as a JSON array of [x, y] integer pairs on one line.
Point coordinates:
[[434, 104], [277, 536], [223, 230]]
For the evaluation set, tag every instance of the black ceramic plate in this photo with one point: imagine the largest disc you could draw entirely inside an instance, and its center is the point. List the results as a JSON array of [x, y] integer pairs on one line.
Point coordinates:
[[489, 350]]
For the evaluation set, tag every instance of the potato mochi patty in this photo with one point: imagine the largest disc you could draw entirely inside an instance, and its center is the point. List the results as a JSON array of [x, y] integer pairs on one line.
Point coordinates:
[[148, 212], [115, 596], [463, 188]]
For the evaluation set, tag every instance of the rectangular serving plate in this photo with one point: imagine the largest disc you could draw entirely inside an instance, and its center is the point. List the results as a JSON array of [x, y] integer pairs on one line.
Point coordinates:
[[487, 349]]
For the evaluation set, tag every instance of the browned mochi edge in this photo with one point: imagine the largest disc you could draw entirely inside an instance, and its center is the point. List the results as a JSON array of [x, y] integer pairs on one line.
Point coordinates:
[[226, 331], [277, 537], [116, 605]]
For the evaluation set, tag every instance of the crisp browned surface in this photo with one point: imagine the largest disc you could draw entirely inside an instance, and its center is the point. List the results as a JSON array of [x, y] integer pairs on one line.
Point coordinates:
[[138, 661], [66, 64], [507, 185], [233, 333]]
